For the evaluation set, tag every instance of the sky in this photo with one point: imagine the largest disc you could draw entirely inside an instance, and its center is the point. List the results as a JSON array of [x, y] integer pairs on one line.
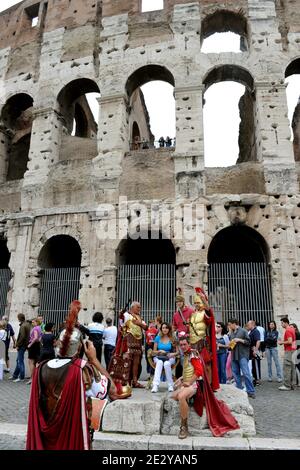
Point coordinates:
[[221, 102]]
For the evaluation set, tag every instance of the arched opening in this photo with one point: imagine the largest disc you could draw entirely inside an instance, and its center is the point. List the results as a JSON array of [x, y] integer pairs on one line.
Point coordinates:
[[224, 31], [150, 91], [292, 79], [135, 137], [15, 130], [147, 273], [79, 108], [60, 261], [5, 275], [239, 277], [229, 117]]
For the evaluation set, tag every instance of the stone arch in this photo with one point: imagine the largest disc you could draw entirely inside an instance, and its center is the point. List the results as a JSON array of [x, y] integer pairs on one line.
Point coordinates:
[[60, 251], [72, 93], [229, 72], [146, 271], [240, 243], [294, 69], [59, 262], [239, 277], [247, 150], [68, 231], [147, 249], [146, 74], [223, 21], [15, 129]]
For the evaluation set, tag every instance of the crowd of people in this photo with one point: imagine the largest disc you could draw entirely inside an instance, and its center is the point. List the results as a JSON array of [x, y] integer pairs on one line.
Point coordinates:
[[193, 355]]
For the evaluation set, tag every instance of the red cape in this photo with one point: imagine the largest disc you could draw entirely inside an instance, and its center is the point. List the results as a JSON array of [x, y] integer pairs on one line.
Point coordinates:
[[69, 428], [213, 345], [219, 417]]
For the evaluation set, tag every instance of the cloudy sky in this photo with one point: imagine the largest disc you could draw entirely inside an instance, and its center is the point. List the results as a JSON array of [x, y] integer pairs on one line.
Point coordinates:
[[221, 102]]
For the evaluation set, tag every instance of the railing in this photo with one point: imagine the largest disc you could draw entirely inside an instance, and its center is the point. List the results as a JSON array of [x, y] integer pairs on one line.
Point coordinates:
[[156, 144]]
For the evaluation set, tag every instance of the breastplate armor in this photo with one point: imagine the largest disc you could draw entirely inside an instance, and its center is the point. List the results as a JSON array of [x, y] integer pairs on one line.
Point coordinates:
[[198, 327], [135, 330], [188, 369]]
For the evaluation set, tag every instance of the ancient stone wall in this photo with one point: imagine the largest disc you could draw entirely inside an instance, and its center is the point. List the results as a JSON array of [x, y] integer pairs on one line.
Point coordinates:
[[112, 48]]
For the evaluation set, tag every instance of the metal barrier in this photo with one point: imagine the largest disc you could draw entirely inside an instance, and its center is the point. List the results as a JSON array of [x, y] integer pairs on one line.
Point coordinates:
[[242, 291], [59, 286], [5, 276], [153, 285]]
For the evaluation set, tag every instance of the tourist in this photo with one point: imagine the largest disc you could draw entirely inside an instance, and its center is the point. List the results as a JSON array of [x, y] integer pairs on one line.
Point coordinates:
[[164, 353], [271, 338], [21, 345], [222, 350], [109, 340], [254, 336], [47, 343], [289, 344], [10, 335], [96, 329], [34, 346]]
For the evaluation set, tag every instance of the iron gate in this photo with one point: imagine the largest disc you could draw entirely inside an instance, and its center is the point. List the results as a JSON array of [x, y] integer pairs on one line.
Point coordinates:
[[153, 285], [5, 275], [59, 286], [242, 291]]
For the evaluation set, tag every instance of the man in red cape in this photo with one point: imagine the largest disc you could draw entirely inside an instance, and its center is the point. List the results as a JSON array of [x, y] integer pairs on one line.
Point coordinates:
[[203, 336], [58, 411], [195, 383]]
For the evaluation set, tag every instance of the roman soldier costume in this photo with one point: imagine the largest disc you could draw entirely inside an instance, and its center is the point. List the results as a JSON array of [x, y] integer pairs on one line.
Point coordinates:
[[203, 335]]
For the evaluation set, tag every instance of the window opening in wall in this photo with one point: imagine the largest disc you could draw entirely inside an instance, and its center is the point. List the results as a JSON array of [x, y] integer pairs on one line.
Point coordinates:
[[160, 108], [224, 31], [34, 21], [222, 42], [33, 14], [16, 122], [80, 121], [152, 5], [78, 107], [293, 101], [221, 120]]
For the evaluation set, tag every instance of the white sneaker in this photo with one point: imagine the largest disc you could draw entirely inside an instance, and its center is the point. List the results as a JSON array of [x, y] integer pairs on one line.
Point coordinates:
[[154, 389], [18, 380], [171, 388], [283, 387], [279, 381]]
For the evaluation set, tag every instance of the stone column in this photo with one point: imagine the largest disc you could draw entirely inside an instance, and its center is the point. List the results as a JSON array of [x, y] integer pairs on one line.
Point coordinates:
[[189, 151], [43, 153], [274, 144], [113, 139], [19, 237]]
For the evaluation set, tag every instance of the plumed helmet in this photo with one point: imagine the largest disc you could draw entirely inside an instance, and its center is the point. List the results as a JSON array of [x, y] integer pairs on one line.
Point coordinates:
[[73, 345], [200, 296]]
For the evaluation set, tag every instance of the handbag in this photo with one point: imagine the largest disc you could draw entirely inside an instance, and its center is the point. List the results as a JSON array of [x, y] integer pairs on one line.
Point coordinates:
[[162, 358]]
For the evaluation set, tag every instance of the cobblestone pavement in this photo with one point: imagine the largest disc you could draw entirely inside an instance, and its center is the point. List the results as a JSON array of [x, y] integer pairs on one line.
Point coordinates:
[[276, 412]]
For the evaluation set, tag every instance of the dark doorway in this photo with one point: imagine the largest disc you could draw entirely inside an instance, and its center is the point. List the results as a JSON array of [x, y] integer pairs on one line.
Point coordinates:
[[147, 273], [239, 276], [60, 261]]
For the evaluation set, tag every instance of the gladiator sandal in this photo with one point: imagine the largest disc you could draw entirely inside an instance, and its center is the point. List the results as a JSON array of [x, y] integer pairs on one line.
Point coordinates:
[[184, 432]]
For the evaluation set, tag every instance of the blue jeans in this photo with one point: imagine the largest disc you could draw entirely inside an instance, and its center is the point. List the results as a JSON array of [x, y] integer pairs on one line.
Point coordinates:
[[20, 366], [273, 353], [222, 358], [237, 367]]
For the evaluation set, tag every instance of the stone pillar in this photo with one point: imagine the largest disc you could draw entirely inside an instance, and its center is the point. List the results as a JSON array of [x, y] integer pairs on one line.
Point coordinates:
[[4, 139], [19, 237], [274, 144], [113, 139], [265, 35], [189, 151], [44, 152]]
